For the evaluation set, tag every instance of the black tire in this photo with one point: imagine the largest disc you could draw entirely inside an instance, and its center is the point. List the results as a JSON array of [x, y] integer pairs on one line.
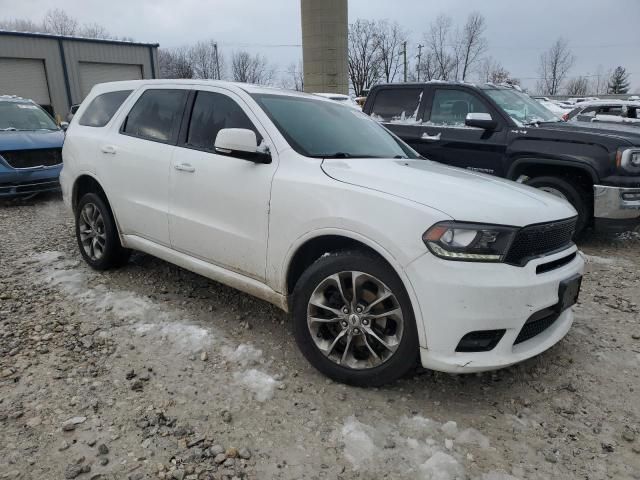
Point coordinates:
[[113, 254], [574, 194], [406, 354]]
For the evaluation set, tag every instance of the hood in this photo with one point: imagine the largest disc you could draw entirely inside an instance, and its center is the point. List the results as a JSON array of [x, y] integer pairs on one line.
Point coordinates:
[[29, 140], [620, 133], [460, 194]]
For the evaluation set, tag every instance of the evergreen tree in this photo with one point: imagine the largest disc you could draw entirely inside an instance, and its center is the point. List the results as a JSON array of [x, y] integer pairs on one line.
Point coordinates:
[[619, 81]]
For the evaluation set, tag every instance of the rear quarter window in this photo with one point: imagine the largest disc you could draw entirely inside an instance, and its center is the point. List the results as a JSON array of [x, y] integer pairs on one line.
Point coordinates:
[[397, 105], [103, 108]]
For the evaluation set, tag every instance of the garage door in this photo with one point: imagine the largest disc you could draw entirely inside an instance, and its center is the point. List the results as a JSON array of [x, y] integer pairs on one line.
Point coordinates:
[[92, 73], [24, 77]]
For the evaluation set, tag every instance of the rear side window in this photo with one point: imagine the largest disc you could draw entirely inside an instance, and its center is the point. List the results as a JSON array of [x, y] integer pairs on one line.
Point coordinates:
[[211, 113], [397, 105], [102, 108], [156, 115]]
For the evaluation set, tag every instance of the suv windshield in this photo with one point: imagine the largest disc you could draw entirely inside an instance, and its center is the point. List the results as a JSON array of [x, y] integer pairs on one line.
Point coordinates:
[[316, 128], [24, 116], [521, 107]]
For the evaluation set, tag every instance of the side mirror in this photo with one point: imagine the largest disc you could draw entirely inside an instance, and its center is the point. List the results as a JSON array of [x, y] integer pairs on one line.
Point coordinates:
[[241, 143], [480, 120], [64, 125]]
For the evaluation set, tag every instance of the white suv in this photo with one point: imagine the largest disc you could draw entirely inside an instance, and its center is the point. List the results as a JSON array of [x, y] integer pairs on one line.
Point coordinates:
[[381, 256]]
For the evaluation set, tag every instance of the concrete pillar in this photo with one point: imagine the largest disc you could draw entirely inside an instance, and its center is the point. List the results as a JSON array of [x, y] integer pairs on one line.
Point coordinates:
[[325, 24]]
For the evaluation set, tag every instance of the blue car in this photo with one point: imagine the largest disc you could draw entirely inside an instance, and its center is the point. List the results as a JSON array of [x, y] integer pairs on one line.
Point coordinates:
[[30, 149]]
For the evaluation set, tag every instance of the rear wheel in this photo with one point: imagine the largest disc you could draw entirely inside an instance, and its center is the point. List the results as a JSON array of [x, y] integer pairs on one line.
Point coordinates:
[[568, 191], [97, 234], [353, 320]]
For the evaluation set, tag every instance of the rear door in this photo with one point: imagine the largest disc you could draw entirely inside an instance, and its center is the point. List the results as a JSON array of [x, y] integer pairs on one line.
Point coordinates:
[[445, 138], [136, 158]]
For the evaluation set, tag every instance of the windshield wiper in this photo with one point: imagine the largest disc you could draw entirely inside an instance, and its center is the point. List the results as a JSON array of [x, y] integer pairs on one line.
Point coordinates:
[[9, 129], [336, 155]]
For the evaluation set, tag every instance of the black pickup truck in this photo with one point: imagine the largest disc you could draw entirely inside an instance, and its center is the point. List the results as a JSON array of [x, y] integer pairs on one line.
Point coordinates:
[[501, 131]]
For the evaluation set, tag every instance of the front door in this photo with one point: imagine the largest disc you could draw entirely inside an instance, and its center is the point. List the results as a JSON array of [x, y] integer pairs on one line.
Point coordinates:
[[444, 137], [219, 205]]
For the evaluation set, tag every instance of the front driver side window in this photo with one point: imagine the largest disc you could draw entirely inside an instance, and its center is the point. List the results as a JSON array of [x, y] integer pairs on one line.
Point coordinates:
[[211, 113], [450, 107]]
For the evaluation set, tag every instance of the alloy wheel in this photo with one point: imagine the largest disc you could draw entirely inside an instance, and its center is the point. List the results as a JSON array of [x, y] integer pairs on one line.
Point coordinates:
[[92, 231], [355, 320]]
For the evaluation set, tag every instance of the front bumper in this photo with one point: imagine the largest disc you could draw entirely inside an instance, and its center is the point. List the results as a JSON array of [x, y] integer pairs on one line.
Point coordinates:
[[456, 298], [616, 206], [23, 182]]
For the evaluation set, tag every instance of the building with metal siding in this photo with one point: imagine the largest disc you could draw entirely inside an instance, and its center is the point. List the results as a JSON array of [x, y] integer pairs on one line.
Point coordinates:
[[58, 71]]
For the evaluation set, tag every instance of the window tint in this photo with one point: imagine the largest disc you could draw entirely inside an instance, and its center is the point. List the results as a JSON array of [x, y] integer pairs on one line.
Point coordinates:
[[450, 107], [397, 105], [156, 115], [102, 108], [211, 113]]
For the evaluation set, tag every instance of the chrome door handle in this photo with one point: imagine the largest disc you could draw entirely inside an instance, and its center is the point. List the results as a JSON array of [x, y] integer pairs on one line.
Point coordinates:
[[109, 149], [184, 167], [431, 138]]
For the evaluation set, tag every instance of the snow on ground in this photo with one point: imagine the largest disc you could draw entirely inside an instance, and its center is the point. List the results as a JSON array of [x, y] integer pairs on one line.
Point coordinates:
[[416, 446], [147, 319]]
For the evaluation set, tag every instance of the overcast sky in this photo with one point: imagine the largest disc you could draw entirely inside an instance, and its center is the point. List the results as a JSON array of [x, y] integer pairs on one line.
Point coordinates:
[[600, 32]]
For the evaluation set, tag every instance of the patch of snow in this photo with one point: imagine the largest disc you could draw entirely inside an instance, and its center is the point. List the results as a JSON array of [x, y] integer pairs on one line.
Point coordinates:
[[359, 448], [473, 437], [259, 383], [245, 354], [442, 466], [450, 429]]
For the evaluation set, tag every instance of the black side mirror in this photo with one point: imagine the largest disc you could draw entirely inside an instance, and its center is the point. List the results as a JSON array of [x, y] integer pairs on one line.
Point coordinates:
[[480, 120]]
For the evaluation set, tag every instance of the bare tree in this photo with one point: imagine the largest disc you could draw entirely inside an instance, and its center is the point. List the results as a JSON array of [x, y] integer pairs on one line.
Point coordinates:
[[473, 42], [578, 86], [491, 70], [437, 42], [294, 78], [57, 21], [95, 30], [364, 58], [251, 68], [390, 40], [175, 63], [206, 60], [21, 25], [555, 63]]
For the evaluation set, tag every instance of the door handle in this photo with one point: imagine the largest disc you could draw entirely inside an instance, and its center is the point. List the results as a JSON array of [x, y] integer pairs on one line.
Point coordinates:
[[109, 149], [431, 138], [184, 167]]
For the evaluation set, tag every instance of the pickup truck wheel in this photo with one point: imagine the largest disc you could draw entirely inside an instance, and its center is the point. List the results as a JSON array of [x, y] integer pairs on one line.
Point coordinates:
[[567, 191], [353, 320], [97, 234]]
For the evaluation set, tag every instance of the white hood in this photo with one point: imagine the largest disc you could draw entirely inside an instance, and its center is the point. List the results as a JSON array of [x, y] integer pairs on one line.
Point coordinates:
[[461, 194]]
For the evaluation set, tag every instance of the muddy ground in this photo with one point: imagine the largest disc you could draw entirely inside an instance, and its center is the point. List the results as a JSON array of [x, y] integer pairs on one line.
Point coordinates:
[[151, 371]]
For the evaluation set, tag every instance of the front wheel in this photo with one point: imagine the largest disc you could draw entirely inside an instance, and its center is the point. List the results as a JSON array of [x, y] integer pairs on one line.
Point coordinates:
[[97, 234], [353, 320], [568, 191]]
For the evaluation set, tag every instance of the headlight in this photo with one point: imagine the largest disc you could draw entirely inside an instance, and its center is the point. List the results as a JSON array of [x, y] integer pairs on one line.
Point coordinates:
[[629, 159], [469, 241]]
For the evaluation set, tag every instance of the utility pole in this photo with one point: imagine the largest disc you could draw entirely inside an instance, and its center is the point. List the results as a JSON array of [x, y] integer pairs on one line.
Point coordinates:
[[404, 53], [215, 49], [420, 47]]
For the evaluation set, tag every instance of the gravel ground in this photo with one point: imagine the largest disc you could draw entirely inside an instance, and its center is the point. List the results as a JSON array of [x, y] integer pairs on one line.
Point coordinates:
[[151, 371]]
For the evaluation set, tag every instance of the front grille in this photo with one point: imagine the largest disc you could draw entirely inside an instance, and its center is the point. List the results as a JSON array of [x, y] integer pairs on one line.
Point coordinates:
[[537, 324], [540, 239], [46, 157]]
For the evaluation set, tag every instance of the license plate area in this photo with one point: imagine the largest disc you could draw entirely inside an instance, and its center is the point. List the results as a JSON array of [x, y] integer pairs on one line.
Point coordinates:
[[568, 292]]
